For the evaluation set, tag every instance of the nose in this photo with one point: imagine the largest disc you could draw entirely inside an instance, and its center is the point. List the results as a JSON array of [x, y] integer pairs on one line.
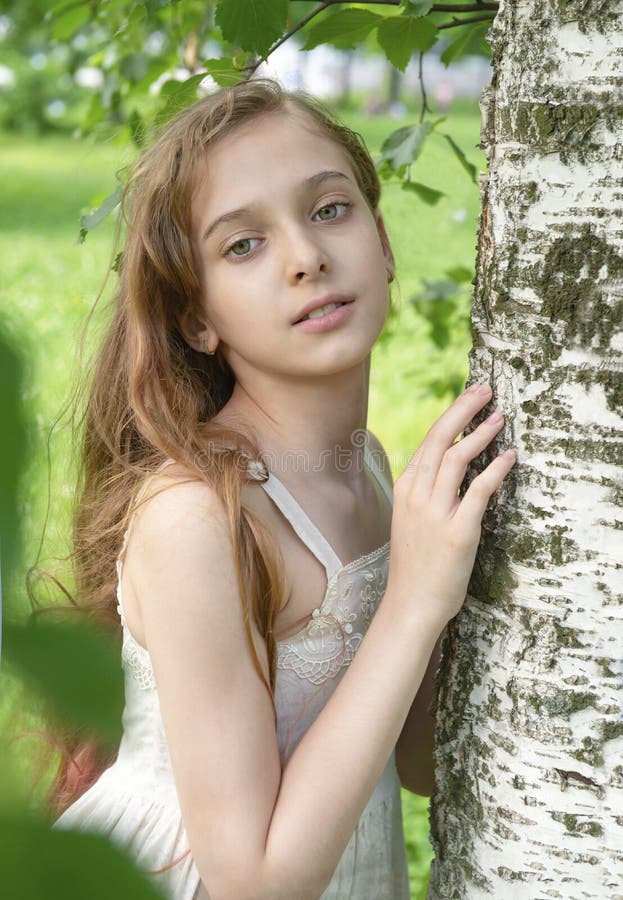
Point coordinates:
[[304, 255]]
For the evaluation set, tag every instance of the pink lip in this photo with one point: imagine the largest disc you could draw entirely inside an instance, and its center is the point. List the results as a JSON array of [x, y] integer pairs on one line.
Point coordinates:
[[329, 320], [319, 302]]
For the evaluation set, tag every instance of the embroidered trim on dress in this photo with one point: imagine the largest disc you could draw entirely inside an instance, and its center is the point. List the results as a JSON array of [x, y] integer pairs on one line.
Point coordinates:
[[134, 658], [326, 644]]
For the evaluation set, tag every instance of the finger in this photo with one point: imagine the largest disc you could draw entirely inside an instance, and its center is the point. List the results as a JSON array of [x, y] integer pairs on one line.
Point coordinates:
[[441, 436], [456, 459], [472, 507]]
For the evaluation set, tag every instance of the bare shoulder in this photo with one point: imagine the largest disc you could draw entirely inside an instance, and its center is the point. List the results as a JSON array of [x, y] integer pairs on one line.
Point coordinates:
[[380, 456], [173, 497], [179, 547]]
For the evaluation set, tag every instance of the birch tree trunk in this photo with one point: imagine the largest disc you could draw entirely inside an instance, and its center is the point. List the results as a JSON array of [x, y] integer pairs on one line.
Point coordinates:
[[529, 729]]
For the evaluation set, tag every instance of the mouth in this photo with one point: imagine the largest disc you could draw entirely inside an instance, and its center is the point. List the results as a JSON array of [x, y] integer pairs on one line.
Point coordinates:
[[322, 311]]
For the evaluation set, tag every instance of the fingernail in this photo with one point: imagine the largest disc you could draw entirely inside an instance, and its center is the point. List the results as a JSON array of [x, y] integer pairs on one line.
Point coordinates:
[[496, 416], [484, 388], [473, 388]]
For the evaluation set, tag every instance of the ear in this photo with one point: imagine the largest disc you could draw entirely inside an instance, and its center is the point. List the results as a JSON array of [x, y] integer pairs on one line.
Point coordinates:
[[200, 334], [387, 250]]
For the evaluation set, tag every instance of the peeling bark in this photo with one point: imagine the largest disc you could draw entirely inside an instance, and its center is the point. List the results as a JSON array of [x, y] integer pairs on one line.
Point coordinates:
[[528, 801]]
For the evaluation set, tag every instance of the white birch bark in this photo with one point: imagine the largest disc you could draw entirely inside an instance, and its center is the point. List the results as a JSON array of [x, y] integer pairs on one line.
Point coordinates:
[[529, 795]]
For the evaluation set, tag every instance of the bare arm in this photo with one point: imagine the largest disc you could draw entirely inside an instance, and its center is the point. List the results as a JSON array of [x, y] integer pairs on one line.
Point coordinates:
[[219, 720]]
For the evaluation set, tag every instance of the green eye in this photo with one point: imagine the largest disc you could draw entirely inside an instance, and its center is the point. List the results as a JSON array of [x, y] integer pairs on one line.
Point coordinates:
[[238, 243], [332, 206], [324, 208]]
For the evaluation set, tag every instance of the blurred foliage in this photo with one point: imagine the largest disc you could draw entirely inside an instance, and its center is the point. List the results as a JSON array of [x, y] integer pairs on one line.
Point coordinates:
[[443, 304], [74, 670], [38, 863], [12, 448], [42, 94]]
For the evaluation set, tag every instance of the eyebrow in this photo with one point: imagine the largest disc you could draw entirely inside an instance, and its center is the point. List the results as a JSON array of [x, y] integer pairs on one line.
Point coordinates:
[[242, 211]]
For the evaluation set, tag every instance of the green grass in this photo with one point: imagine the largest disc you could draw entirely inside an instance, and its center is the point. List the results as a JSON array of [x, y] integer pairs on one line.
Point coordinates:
[[49, 283]]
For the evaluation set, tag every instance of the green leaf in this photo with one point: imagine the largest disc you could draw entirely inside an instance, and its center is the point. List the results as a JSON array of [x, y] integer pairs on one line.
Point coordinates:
[[470, 168], [154, 70], [438, 303], [384, 169], [404, 145], [418, 7], [427, 194], [69, 22], [137, 14], [134, 66], [223, 70], [459, 46], [153, 6], [345, 29], [253, 25], [74, 667], [484, 45], [178, 95], [73, 865], [137, 128], [460, 274], [94, 114], [91, 221], [13, 447], [129, 21], [437, 122], [59, 8], [400, 36]]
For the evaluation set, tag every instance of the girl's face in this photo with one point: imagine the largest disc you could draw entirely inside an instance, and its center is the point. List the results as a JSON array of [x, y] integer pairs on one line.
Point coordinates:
[[303, 234]]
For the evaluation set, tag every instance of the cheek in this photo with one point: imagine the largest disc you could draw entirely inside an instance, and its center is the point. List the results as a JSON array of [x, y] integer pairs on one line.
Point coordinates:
[[232, 298], [369, 244], [236, 290]]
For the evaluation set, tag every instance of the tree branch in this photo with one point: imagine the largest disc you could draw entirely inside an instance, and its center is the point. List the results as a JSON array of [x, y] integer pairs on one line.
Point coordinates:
[[464, 22], [250, 69], [425, 107], [466, 7]]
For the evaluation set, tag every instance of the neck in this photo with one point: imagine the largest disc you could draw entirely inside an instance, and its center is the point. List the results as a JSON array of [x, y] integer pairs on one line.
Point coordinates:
[[306, 427]]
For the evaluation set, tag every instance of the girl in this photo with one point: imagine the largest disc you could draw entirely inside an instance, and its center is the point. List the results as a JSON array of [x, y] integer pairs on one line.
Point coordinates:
[[234, 498]]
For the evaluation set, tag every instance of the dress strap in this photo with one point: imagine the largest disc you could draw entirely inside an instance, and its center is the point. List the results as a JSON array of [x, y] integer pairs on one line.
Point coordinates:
[[302, 524]]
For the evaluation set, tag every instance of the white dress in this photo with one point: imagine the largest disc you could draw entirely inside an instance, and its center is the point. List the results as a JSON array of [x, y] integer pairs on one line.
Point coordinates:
[[134, 802]]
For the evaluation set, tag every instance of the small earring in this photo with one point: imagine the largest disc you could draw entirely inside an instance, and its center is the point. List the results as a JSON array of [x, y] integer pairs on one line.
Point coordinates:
[[204, 347]]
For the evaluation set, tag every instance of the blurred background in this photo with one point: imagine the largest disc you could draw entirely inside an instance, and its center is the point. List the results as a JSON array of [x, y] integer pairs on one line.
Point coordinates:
[[66, 128]]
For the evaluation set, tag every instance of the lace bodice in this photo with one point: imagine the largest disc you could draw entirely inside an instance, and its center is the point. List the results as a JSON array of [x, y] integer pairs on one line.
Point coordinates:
[[313, 651], [329, 640], [310, 662]]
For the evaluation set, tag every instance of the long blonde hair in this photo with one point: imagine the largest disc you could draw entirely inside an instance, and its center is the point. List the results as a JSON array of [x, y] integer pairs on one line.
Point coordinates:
[[152, 397]]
